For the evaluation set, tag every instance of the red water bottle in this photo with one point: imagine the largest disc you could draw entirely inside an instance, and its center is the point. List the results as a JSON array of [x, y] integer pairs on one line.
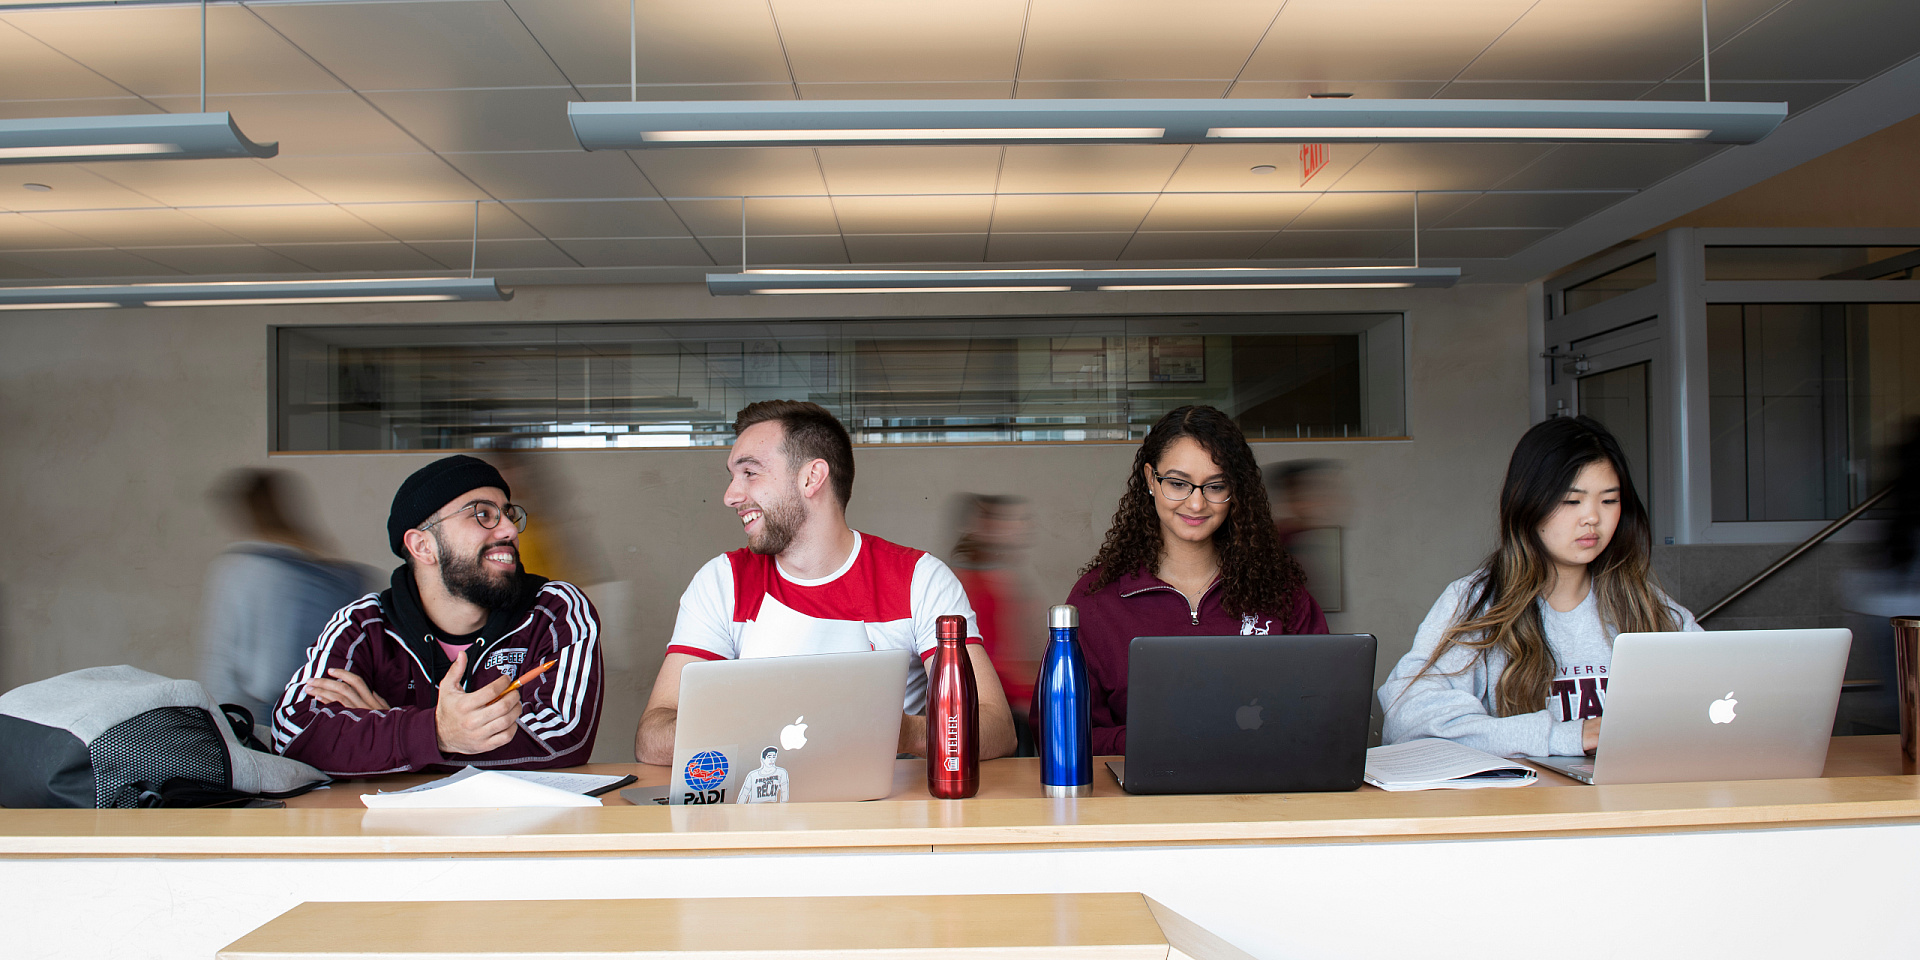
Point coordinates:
[[953, 715]]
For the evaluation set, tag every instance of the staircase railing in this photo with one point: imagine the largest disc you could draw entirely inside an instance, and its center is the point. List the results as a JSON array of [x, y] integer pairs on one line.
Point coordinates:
[[1813, 541]]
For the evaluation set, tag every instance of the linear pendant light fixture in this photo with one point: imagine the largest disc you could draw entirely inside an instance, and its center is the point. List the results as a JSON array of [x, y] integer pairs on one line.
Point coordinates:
[[766, 282], [164, 136], [245, 293], [643, 125]]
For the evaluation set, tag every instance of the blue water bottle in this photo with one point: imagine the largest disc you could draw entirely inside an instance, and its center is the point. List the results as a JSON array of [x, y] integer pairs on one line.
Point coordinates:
[[1066, 731]]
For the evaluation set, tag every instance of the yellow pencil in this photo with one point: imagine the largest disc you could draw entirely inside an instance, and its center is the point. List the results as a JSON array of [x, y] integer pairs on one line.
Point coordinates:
[[517, 684]]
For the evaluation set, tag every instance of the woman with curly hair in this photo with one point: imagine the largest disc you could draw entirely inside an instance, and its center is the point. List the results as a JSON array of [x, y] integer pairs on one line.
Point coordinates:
[[1191, 552], [1513, 658]]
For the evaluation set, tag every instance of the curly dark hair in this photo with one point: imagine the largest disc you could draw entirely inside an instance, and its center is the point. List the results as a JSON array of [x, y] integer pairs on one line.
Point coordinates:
[[1258, 574]]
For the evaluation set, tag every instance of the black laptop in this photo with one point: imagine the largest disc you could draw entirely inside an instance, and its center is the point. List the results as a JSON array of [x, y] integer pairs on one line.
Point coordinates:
[[1250, 714]]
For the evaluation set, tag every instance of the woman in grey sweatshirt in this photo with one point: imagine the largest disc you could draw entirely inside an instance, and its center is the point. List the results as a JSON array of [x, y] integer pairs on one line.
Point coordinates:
[[1513, 658]]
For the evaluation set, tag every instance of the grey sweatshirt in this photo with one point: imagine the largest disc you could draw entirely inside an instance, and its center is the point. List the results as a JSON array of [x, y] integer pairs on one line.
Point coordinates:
[[1455, 699]]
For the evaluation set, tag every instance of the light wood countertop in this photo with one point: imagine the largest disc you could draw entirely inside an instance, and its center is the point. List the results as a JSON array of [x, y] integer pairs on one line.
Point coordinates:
[[1862, 786]]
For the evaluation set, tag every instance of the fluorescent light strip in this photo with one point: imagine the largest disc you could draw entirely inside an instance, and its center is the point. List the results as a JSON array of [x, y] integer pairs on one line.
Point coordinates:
[[905, 289], [1259, 286], [56, 306], [419, 298], [1320, 134], [83, 150], [949, 133]]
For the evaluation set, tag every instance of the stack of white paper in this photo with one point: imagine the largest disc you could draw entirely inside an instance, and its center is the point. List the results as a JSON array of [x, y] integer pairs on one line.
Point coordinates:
[[1442, 765], [473, 787]]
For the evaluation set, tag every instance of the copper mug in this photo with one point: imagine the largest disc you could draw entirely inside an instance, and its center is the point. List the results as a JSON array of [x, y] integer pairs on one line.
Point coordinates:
[[1906, 663]]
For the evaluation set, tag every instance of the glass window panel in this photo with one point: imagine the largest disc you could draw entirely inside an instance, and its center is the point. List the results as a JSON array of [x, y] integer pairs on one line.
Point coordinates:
[[623, 385], [1600, 289], [1811, 263], [1618, 399]]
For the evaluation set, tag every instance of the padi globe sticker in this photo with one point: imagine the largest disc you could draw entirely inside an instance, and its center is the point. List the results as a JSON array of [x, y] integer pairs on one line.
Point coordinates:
[[705, 776]]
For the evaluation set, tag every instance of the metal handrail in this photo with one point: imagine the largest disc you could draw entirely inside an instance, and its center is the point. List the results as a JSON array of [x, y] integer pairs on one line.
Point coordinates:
[[1813, 541]]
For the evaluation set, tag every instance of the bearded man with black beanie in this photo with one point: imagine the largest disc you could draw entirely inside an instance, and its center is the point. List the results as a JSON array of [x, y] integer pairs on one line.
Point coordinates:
[[416, 677]]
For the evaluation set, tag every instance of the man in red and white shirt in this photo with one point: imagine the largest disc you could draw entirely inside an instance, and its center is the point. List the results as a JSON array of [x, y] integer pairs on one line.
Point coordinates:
[[808, 583]]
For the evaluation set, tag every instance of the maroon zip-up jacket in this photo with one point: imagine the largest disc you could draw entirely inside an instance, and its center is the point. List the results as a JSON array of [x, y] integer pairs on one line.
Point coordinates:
[[387, 639], [1142, 605]]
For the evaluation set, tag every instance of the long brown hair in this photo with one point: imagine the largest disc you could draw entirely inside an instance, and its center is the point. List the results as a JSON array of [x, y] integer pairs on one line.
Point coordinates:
[[1257, 573], [1503, 613]]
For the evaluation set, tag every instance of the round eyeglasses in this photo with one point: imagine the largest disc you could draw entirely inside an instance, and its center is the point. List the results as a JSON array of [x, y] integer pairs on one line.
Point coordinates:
[[1179, 490], [487, 514]]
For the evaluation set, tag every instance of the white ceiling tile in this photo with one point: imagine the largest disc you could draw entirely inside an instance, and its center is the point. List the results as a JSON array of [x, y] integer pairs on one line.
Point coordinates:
[[781, 90], [442, 221], [1361, 89], [468, 121], [937, 248], [1141, 39], [11, 270], [713, 41], [909, 214], [1123, 89], [910, 169], [113, 107], [1389, 211], [155, 50], [188, 183], [1089, 168], [765, 216], [497, 253], [1321, 245], [602, 218], [75, 187], [889, 40], [1526, 210], [1055, 247], [1439, 166], [24, 232], [1823, 40], [414, 177], [733, 171], [1213, 245], [221, 260], [1379, 39], [136, 228], [943, 90], [89, 264], [305, 223], [780, 251], [554, 175], [1617, 40], [650, 252], [1226, 211], [1475, 244], [310, 124], [30, 69], [1228, 167], [1546, 90], [1069, 213], [1576, 166], [417, 46], [388, 257]]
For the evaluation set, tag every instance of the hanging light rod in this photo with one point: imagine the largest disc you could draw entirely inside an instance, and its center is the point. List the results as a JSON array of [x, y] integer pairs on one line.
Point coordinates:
[[160, 136], [661, 124], [244, 293], [1062, 281]]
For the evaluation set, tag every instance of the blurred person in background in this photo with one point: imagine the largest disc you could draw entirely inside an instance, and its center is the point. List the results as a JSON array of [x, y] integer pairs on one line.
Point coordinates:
[[1310, 508], [270, 593], [1886, 586], [992, 533]]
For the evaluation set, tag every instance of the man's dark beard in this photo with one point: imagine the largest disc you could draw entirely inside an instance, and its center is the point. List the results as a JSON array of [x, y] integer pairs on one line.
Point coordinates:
[[779, 523], [469, 580]]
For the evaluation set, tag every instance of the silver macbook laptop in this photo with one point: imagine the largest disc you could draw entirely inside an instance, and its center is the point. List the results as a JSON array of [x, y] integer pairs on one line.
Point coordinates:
[[1723, 705], [789, 729]]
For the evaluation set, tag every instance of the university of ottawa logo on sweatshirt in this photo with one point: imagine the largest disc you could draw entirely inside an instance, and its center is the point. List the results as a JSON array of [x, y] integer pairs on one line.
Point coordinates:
[[1578, 692]]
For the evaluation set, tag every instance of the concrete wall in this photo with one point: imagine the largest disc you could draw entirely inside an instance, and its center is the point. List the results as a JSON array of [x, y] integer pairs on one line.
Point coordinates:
[[113, 424]]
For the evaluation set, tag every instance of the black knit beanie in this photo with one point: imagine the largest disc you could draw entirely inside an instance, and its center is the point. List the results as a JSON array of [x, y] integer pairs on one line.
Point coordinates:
[[432, 487]]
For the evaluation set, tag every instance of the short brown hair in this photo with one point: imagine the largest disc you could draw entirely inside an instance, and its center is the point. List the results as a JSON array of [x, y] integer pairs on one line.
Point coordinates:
[[811, 434]]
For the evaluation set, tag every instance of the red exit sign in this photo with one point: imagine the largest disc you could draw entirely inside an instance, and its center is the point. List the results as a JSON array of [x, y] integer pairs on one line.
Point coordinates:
[[1313, 159]]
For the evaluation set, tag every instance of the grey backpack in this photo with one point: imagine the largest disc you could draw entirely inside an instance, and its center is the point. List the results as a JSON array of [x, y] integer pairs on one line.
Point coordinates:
[[123, 737]]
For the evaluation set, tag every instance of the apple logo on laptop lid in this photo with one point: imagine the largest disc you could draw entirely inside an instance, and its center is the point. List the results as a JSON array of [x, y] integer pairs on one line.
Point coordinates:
[[1721, 711], [793, 736], [1248, 717]]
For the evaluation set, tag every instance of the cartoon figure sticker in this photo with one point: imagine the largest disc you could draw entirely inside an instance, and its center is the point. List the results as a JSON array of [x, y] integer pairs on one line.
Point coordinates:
[[705, 776], [767, 783]]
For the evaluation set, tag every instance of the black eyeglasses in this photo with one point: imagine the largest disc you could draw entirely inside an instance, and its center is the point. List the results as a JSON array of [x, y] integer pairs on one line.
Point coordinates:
[[1179, 490], [488, 515]]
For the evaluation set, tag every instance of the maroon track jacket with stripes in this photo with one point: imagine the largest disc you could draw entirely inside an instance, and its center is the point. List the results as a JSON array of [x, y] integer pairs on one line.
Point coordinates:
[[386, 640]]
